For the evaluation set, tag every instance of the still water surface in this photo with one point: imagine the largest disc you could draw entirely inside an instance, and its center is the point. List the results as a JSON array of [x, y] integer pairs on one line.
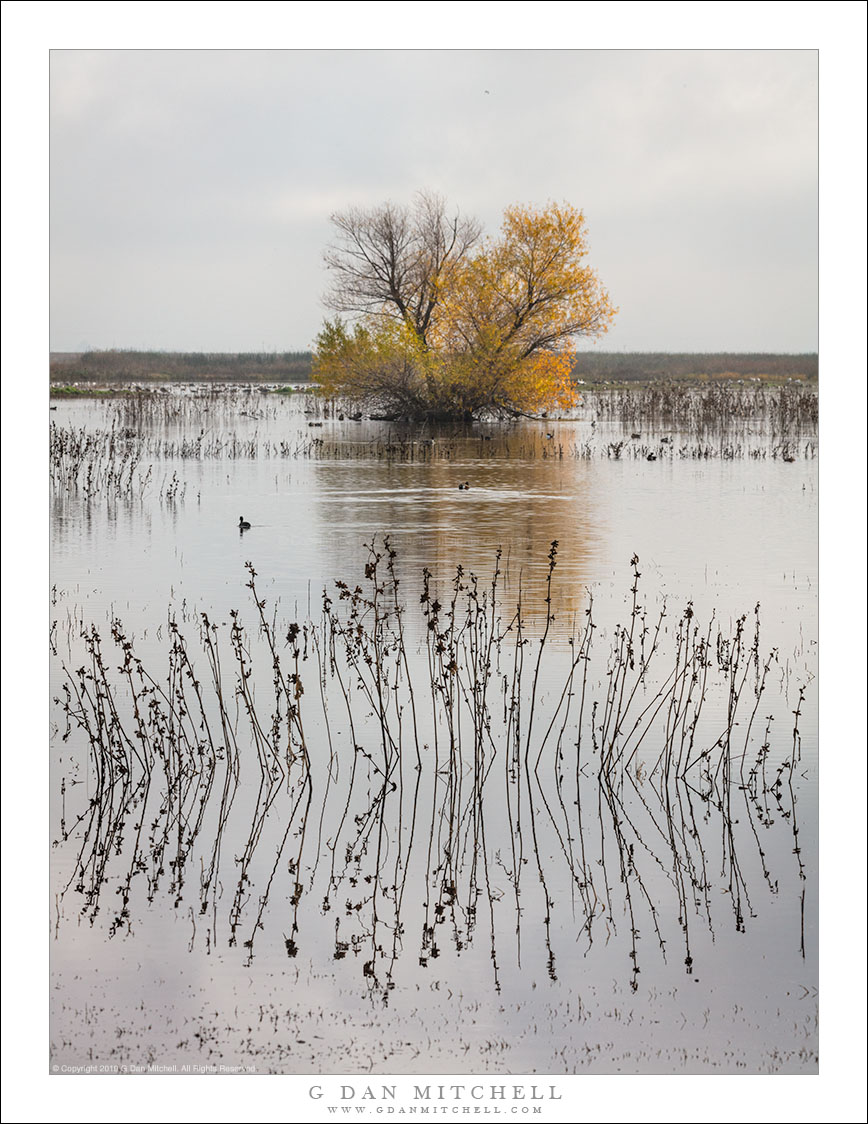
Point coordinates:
[[546, 859]]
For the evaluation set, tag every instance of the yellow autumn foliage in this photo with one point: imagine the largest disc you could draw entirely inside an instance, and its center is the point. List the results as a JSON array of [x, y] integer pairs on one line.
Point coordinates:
[[489, 327]]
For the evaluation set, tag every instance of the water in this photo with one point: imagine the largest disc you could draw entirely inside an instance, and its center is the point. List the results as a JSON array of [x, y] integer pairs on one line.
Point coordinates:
[[470, 890]]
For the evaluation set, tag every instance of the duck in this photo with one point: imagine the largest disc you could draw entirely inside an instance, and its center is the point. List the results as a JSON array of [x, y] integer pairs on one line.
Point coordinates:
[[243, 525], [465, 487]]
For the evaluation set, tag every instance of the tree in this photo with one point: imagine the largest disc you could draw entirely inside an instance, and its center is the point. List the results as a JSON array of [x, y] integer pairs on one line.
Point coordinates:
[[398, 261], [450, 324]]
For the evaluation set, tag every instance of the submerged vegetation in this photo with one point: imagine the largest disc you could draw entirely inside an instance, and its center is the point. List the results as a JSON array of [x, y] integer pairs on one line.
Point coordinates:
[[425, 779], [720, 421], [466, 787]]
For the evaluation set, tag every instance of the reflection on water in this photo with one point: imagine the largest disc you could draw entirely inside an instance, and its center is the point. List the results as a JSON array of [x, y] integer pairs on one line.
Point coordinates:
[[473, 744], [435, 524], [479, 785]]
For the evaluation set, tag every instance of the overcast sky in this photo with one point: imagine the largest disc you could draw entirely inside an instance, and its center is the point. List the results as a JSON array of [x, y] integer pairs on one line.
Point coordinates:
[[191, 190]]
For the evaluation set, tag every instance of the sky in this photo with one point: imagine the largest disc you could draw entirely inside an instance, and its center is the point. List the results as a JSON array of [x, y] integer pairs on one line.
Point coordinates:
[[190, 190]]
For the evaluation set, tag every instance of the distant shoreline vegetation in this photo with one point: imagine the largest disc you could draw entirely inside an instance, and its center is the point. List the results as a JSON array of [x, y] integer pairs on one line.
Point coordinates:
[[592, 367], [178, 366]]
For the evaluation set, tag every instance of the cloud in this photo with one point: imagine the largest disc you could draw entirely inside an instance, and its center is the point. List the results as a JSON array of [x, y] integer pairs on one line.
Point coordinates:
[[172, 164]]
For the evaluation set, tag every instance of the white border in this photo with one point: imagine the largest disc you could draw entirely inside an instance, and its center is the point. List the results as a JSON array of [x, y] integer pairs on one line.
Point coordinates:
[[30, 29]]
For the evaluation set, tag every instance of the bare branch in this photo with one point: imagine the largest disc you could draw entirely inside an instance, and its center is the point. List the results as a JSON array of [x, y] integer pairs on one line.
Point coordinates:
[[453, 326], [396, 261]]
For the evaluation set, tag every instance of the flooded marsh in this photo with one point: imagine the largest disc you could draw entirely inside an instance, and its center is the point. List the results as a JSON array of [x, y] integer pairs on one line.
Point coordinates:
[[484, 751]]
